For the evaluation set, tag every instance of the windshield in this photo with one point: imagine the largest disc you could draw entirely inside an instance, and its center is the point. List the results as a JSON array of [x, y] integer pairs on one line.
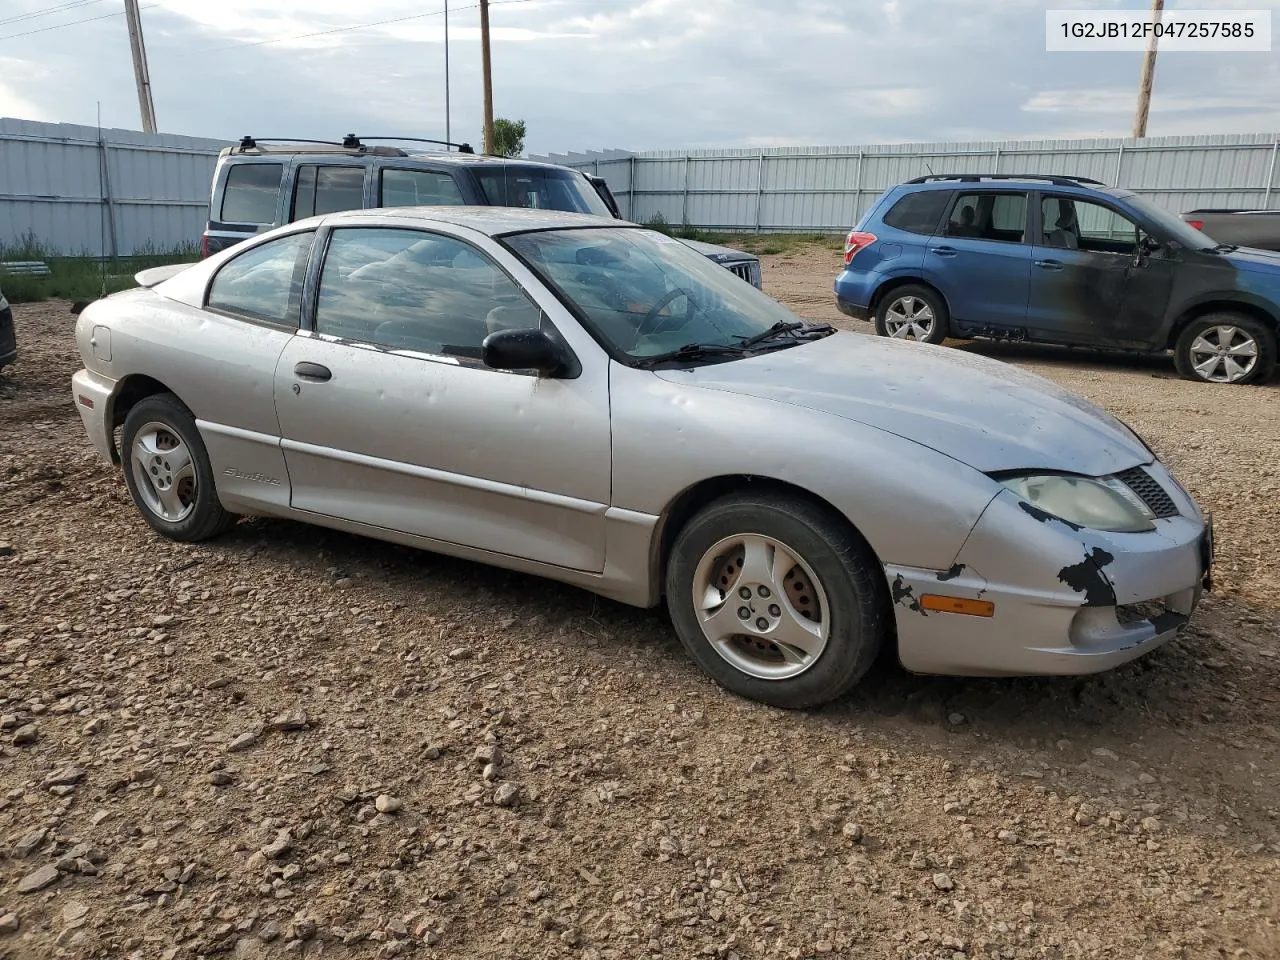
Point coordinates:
[[540, 188], [647, 294], [1172, 226]]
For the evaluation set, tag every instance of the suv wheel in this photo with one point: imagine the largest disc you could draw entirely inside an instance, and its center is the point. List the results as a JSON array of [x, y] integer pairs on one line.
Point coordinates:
[[912, 312], [1226, 348]]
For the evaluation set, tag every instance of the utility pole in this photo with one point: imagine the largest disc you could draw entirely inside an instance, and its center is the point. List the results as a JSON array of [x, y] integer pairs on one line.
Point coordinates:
[[488, 77], [1148, 74], [140, 66], [447, 136]]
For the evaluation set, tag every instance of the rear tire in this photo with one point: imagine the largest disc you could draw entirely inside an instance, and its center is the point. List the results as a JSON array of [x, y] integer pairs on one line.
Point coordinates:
[[776, 599], [1226, 348], [912, 312], [168, 473]]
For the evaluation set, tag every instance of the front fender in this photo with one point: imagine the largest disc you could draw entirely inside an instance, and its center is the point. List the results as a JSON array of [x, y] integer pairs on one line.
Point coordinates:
[[914, 506]]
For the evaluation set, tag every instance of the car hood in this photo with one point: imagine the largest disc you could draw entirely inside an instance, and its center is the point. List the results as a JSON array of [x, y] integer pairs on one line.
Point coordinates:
[[1251, 258], [716, 252], [981, 412]]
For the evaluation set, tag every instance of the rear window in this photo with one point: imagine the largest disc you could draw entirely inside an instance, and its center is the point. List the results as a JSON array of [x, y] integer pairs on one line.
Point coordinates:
[[918, 212], [541, 189], [331, 189], [412, 188], [251, 193]]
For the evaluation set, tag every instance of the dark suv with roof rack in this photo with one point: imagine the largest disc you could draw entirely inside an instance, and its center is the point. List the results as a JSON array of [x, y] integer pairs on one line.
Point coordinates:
[[1064, 260], [260, 184]]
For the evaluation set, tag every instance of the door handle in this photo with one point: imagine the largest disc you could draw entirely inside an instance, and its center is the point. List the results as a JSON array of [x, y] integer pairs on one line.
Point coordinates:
[[945, 251], [1049, 264], [312, 371]]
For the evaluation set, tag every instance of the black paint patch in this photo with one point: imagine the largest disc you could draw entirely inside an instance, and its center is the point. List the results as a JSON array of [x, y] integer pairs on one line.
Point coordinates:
[[951, 574], [1087, 577], [1044, 516], [906, 597]]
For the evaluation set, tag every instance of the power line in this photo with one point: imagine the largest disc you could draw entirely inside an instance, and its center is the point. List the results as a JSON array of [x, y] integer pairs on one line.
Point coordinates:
[[48, 10], [357, 26], [72, 23]]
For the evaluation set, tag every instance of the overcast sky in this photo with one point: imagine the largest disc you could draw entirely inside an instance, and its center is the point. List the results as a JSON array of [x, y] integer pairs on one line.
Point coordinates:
[[632, 74]]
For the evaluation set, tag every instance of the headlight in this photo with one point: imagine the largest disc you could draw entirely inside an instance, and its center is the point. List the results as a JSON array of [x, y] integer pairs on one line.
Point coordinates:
[[1098, 504]]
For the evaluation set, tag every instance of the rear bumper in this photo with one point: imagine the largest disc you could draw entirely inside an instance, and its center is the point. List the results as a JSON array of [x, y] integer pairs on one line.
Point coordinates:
[[93, 396], [853, 294], [857, 311]]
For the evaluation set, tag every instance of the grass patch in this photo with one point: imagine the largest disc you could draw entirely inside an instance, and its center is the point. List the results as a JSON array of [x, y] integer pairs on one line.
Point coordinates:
[[80, 277], [759, 244]]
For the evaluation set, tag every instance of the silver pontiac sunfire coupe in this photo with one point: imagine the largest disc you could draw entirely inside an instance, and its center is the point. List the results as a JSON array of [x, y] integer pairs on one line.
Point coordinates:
[[596, 403]]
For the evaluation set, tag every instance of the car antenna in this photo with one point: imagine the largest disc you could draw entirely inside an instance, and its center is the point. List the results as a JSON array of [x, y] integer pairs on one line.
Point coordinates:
[[930, 169]]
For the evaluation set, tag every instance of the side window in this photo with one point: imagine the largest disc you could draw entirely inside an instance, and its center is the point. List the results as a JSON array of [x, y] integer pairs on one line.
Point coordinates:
[[989, 216], [918, 212], [1073, 224], [321, 190], [412, 188], [418, 291], [265, 282], [251, 192]]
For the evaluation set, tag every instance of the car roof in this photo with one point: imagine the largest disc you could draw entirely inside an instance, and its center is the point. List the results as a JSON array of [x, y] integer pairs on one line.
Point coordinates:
[[492, 221], [1004, 183], [282, 153]]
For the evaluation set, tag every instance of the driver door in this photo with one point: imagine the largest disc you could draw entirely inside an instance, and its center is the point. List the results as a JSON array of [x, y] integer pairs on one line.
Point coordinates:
[[1091, 282], [390, 419]]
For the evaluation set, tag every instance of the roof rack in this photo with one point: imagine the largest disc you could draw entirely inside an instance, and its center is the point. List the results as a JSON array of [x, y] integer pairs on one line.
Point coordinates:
[[1061, 181], [348, 144]]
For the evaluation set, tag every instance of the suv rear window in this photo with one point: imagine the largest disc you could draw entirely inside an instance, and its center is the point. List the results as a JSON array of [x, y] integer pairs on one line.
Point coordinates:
[[918, 212], [989, 216], [540, 189], [327, 190], [251, 193]]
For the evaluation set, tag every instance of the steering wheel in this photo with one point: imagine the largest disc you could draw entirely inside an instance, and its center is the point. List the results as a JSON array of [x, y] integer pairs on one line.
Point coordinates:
[[652, 324]]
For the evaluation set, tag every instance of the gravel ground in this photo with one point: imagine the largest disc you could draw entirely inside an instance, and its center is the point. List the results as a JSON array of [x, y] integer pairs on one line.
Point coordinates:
[[291, 741]]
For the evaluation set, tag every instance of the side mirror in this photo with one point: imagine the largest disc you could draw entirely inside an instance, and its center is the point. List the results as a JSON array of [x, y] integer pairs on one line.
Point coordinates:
[[1149, 245], [531, 349]]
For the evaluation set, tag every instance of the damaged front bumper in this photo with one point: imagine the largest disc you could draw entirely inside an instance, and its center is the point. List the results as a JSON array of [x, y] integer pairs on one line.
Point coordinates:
[[1055, 599]]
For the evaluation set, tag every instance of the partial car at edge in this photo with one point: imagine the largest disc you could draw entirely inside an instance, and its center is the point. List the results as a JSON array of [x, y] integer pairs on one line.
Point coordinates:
[[596, 403]]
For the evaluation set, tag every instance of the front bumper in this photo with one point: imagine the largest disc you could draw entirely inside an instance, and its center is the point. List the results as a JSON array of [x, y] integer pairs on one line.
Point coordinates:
[[8, 335], [93, 396], [1064, 601]]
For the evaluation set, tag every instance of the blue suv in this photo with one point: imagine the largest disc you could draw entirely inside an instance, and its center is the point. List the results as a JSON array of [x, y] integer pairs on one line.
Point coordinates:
[[1063, 260]]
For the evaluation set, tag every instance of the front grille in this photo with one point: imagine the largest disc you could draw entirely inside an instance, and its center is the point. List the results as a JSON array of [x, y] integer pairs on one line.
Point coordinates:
[[742, 270], [1149, 491]]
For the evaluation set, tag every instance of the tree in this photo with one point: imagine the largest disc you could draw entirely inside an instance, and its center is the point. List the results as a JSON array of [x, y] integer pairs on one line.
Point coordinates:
[[508, 137]]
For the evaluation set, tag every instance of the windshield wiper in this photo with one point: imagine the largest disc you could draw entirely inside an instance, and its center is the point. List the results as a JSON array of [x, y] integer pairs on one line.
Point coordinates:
[[692, 351], [1225, 247], [782, 326], [796, 328]]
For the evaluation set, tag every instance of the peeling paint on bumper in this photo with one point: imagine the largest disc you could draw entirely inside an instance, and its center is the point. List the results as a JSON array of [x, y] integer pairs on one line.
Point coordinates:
[[1045, 623]]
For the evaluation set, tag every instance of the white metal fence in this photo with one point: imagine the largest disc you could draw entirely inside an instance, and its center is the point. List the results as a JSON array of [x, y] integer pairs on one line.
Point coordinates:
[[76, 190], [826, 189]]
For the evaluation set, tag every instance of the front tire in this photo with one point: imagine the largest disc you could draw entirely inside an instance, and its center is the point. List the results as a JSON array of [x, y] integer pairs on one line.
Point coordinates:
[[912, 312], [776, 600], [168, 473], [1226, 348]]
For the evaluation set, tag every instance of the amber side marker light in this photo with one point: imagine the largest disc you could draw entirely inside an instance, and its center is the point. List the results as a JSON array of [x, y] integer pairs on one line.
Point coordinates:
[[941, 604]]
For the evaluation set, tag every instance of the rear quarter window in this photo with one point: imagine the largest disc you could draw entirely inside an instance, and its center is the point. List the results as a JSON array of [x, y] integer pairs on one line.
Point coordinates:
[[251, 193], [918, 212]]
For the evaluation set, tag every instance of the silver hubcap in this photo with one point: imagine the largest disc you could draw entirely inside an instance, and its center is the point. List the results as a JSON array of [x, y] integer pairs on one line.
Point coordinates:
[[164, 472], [761, 607], [1224, 354], [909, 318]]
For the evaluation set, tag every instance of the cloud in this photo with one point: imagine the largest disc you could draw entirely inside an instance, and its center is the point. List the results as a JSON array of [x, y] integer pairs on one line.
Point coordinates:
[[638, 74]]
